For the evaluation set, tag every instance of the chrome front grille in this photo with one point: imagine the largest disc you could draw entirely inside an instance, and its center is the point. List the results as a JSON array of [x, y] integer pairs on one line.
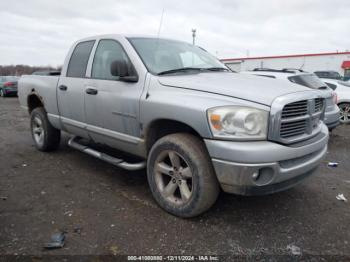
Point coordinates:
[[319, 103], [294, 119], [295, 109], [290, 129]]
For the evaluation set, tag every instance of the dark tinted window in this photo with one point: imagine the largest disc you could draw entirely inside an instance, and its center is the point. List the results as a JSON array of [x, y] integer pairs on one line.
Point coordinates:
[[310, 81], [107, 52], [79, 59]]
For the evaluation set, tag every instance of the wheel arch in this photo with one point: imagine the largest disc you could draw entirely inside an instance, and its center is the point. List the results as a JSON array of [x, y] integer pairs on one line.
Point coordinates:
[[343, 101], [34, 101], [162, 127]]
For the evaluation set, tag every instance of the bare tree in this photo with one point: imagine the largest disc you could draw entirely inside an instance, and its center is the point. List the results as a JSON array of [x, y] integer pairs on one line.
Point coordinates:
[[18, 70]]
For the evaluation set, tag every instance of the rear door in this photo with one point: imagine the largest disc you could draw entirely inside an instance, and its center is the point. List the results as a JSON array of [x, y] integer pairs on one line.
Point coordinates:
[[71, 90], [112, 110]]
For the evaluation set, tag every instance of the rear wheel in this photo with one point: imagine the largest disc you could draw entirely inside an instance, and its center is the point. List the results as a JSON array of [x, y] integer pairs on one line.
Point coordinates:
[[344, 113], [45, 136], [181, 176]]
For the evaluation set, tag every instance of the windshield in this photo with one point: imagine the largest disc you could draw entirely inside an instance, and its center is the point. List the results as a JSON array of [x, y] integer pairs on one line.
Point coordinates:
[[309, 80], [10, 78], [160, 55], [328, 74]]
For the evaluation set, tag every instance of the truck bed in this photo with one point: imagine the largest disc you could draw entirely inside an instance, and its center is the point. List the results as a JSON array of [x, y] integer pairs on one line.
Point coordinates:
[[44, 86]]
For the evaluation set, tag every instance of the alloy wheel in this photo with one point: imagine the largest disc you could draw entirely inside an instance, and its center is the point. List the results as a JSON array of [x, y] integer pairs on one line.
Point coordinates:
[[344, 113], [173, 177]]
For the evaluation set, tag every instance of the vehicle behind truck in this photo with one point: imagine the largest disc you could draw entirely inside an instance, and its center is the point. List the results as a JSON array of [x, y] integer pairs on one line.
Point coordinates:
[[195, 126], [300, 77]]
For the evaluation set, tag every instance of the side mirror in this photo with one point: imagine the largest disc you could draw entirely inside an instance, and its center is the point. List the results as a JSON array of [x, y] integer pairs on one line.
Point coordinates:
[[120, 68]]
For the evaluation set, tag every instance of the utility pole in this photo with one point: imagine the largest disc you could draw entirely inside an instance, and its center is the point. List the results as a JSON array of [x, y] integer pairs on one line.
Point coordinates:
[[194, 36]]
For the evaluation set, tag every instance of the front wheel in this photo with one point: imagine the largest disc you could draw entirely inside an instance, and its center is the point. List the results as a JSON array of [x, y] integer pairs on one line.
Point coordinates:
[[344, 113], [45, 136], [181, 176]]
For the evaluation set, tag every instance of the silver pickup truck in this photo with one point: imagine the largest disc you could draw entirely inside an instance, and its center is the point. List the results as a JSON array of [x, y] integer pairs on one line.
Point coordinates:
[[195, 125]]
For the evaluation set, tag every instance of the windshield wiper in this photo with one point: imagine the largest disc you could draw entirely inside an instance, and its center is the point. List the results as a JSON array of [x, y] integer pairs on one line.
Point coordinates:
[[216, 69], [184, 69]]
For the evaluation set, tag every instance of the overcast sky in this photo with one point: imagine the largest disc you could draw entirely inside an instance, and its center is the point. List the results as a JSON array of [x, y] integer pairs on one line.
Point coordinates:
[[40, 32]]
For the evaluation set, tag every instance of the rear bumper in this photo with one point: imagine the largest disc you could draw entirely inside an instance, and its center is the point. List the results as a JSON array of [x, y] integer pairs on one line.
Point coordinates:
[[264, 167], [9, 90], [331, 118]]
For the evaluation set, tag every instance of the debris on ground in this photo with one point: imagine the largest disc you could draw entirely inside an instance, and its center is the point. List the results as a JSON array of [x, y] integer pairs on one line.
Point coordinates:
[[294, 249], [69, 213], [332, 164], [341, 197], [57, 241], [24, 165], [77, 229], [3, 198], [114, 250]]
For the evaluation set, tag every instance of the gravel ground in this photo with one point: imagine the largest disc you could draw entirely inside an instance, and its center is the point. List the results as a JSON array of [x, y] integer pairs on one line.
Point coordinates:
[[105, 210]]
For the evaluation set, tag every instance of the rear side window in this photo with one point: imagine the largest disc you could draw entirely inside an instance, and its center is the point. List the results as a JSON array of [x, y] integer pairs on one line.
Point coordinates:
[[79, 59]]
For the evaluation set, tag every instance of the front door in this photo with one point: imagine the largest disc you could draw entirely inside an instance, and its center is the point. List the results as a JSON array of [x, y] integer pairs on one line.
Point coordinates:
[[111, 105]]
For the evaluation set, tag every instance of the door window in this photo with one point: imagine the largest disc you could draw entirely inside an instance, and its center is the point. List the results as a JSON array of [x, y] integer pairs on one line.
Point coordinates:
[[79, 59], [107, 52]]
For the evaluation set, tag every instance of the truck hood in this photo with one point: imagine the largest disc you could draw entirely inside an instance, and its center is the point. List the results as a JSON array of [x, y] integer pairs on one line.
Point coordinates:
[[257, 89]]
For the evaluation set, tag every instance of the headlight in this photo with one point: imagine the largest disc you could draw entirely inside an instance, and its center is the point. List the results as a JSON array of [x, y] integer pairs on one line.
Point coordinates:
[[238, 122]]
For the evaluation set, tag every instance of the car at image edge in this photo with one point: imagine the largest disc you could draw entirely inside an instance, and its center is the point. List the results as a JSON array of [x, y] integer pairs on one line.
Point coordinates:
[[8, 85], [342, 90]]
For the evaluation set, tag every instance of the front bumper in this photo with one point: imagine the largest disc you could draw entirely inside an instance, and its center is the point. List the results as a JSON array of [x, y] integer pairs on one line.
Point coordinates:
[[264, 167]]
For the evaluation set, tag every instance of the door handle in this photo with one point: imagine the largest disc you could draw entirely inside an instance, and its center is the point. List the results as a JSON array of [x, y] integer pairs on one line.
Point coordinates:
[[91, 91], [63, 87]]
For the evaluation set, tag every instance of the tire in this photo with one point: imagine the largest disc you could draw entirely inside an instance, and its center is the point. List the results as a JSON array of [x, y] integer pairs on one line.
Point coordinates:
[[344, 113], [182, 161], [45, 136]]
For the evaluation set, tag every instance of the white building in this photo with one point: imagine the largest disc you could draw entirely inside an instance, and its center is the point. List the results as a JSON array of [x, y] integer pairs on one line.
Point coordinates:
[[339, 62]]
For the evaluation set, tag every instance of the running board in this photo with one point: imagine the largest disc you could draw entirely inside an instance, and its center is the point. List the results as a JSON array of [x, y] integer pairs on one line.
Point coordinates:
[[73, 142]]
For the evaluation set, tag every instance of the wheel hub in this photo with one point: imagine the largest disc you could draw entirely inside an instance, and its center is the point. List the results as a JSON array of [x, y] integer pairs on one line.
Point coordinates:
[[38, 130]]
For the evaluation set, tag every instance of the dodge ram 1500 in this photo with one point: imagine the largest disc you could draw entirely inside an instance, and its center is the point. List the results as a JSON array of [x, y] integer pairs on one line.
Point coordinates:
[[196, 126]]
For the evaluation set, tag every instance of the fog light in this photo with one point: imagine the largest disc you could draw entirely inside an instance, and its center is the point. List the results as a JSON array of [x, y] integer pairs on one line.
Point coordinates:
[[263, 176]]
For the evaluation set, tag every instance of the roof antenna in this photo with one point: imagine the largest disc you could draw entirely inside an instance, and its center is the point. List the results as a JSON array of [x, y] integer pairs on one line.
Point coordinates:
[[160, 23], [302, 66]]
